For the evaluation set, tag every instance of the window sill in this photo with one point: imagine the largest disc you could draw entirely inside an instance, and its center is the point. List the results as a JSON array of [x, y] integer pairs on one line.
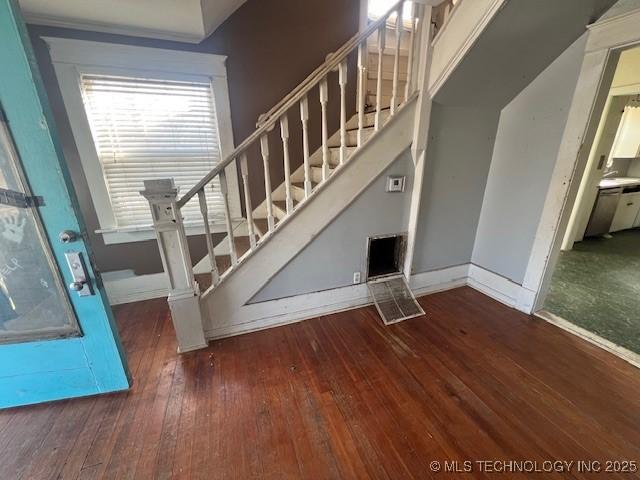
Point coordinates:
[[142, 233]]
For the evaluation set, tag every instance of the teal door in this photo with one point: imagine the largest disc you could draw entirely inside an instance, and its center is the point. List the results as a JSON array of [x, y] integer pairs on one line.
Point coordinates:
[[57, 335]]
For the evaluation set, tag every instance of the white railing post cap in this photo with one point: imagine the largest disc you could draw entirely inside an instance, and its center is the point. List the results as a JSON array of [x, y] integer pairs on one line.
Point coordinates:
[[165, 187]]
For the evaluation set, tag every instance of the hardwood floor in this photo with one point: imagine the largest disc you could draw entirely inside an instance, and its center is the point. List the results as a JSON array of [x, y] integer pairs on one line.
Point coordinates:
[[340, 396]]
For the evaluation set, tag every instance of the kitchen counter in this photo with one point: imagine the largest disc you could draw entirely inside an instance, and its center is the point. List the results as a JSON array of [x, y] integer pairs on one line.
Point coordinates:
[[615, 182]]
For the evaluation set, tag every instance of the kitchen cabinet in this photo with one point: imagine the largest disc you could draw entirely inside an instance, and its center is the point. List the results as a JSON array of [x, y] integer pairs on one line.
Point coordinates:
[[627, 142], [627, 212]]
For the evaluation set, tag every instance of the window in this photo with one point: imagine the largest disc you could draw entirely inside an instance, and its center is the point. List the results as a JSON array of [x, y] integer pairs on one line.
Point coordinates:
[[139, 113], [145, 129], [377, 8]]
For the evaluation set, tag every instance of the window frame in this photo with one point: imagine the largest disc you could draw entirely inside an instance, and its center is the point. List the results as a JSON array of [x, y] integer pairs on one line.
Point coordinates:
[[72, 58]]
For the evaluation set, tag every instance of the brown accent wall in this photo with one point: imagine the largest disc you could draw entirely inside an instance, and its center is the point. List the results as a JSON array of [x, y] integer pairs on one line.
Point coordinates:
[[271, 46]]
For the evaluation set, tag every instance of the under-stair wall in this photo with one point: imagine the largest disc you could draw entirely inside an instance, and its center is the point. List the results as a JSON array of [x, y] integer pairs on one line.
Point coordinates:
[[331, 258], [226, 309]]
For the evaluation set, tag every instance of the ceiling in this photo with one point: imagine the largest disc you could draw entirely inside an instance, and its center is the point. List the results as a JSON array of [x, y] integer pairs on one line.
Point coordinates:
[[182, 20]]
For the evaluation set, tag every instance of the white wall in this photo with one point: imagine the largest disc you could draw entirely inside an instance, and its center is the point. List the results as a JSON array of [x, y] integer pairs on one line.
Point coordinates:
[[457, 163], [529, 135], [340, 249]]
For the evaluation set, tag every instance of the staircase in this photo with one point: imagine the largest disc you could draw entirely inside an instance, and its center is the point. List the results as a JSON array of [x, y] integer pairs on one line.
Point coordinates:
[[212, 299], [394, 70]]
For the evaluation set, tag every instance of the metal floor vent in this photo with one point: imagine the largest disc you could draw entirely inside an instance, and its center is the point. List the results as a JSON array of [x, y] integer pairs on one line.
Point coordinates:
[[394, 300]]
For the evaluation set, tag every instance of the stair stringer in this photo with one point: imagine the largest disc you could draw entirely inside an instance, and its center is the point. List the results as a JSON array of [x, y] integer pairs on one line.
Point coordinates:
[[225, 308]]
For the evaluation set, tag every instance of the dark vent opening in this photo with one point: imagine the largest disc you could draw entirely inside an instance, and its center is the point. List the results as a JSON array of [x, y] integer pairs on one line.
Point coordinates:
[[385, 256]]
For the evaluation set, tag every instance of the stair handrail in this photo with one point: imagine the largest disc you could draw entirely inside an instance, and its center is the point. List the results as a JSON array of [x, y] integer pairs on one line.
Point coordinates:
[[330, 64], [349, 46]]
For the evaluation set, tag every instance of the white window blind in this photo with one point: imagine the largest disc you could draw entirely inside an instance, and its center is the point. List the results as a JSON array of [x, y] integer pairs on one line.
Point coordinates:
[[150, 129]]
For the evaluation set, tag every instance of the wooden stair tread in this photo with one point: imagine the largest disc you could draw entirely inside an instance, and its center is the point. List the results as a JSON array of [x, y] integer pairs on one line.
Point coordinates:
[[301, 185]]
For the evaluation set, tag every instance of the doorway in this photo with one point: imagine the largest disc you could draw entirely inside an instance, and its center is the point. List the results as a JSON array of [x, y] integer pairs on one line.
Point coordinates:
[[595, 285]]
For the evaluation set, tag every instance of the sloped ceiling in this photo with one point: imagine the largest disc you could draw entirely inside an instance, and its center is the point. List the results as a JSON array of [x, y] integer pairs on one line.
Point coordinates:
[[182, 20], [518, 44]]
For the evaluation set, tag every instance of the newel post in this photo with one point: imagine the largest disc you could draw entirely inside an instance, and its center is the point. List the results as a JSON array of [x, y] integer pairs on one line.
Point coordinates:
[[184, 293]]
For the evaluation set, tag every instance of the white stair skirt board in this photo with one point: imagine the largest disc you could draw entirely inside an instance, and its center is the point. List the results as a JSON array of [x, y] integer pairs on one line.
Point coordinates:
[[393, 299]]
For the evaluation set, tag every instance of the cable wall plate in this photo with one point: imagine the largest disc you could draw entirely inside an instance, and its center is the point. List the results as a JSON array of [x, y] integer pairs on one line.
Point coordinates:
[[394, 300]]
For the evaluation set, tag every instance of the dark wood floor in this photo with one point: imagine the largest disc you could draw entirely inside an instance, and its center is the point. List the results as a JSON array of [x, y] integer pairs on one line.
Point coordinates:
[[340, 396]]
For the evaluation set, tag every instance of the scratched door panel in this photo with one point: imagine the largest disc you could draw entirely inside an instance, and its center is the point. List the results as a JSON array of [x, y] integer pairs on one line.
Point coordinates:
[[33, 304]]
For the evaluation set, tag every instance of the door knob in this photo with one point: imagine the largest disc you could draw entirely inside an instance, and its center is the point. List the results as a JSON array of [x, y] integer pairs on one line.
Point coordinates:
[[68, 236], [76, 286]]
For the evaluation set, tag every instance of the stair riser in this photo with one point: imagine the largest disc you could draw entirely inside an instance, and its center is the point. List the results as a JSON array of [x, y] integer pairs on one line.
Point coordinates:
[[352, 137], [390, 40], [278, 212], [334, 157], [388, 64], [316, 174], [387, 87], [369, 119], [385, 100], [297, 193]]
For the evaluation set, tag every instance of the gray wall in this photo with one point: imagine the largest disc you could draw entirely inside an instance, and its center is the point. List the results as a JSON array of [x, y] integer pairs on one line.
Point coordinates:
[[527, 143], [457, 163], [340, 249], [523, 39]]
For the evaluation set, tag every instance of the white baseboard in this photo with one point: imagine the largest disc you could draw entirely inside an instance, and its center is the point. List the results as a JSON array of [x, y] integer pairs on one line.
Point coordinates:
[[123, 286], [259, 316], [439, 280], [272, 313], [500, 288]]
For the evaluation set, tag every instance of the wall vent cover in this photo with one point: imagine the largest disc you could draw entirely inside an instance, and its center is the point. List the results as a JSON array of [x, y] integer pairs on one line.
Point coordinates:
[[393, 299]]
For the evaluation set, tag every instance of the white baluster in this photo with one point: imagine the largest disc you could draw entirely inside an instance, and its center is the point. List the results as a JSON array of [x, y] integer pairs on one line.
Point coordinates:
[[342, 80], [324, 98], [410, 60], [304, 117], [381, 35], [362, 88], [396, 61], [244, 171], [418, 47], [207, 232], [264, 148], [284, 133], [227, 217]]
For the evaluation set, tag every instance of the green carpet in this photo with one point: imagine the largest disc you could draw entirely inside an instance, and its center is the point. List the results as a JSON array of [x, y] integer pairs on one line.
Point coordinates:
[[597, 287]]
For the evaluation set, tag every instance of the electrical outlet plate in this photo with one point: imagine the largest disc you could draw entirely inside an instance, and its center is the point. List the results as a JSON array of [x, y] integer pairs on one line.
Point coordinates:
[[356, 277]]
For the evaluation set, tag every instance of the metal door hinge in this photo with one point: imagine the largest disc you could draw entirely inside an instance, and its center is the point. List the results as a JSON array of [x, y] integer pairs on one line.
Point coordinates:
[[19, 199]]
